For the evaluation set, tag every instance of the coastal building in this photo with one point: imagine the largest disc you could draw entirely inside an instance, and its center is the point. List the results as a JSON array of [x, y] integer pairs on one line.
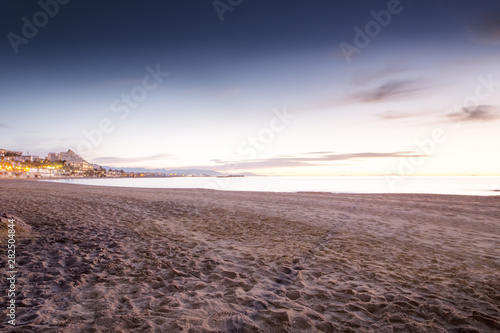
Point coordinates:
[[73, 159], [70, 156], [44, 172], [10, 153], [53, 157], [83, 165], [28, 158], [15, 164]]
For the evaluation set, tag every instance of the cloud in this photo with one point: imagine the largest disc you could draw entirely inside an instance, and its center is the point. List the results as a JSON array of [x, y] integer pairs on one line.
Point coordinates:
[[487, 30], [318, 153], [342, 157], [263, 164], [4, 126], [476, 113], [122, 160], [392, 89], [386, 91], [391, 115], [318, 158], [383, 74]]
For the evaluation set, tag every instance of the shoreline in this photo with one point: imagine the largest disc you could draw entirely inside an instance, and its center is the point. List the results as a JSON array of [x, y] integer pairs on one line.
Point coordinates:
[[144, 259]]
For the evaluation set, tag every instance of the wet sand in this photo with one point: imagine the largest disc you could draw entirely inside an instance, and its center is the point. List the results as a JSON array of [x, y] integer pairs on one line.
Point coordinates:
[[103, 259]]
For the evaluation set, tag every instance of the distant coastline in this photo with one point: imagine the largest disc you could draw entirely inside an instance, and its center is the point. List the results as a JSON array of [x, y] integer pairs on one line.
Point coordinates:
[[67, 165]]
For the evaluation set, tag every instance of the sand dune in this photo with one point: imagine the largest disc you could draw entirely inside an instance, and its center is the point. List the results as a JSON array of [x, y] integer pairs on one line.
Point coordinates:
[[152, 260]]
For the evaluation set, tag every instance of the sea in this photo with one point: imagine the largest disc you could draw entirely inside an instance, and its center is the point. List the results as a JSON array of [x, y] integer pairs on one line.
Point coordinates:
[[472, 185]]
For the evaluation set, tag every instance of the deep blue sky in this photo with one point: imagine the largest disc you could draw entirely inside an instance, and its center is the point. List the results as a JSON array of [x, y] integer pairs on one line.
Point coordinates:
[[226, 77]]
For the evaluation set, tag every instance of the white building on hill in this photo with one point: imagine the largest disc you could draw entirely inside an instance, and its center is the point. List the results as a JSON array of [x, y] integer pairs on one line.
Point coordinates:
[[53, 157], [73, 159]]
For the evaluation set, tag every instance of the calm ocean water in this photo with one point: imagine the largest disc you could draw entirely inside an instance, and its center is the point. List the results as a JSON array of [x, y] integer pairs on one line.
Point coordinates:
[[372, 184]]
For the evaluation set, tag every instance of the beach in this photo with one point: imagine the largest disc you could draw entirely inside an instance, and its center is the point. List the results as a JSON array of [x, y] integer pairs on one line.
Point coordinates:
[[114, 259]]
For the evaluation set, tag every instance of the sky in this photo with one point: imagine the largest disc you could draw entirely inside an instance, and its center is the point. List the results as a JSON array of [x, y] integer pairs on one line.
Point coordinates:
[[278, 87]]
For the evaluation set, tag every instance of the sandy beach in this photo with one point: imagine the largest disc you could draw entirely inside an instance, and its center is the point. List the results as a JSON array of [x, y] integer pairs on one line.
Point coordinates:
[[103, 259]]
